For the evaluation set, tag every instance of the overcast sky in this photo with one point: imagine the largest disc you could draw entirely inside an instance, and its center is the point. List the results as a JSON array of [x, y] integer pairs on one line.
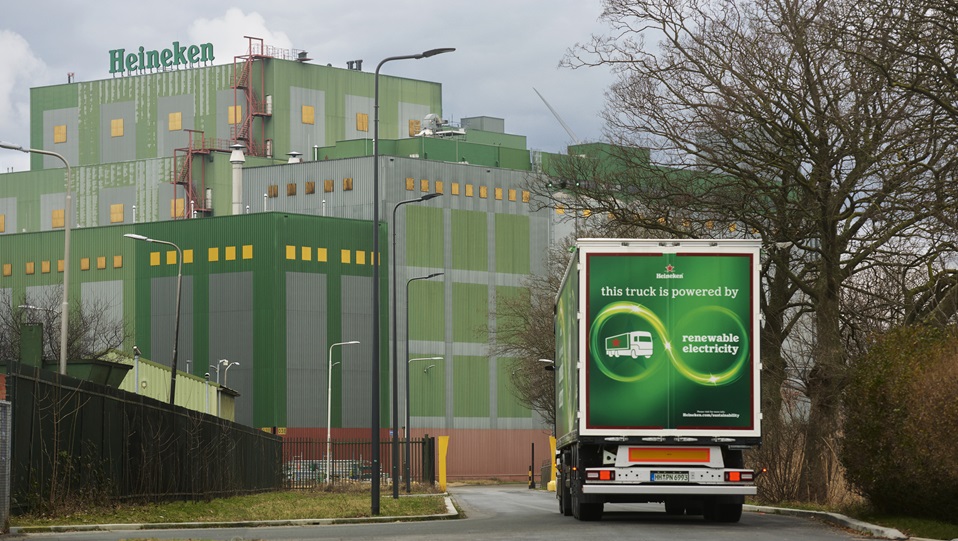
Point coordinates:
[[505, 48]]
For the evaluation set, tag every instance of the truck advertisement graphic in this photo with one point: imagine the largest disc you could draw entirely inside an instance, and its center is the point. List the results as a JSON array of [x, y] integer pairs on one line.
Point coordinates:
[[669, 341]]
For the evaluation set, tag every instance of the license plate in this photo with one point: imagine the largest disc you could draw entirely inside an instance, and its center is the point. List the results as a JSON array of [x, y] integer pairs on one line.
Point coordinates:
[[670, 477]]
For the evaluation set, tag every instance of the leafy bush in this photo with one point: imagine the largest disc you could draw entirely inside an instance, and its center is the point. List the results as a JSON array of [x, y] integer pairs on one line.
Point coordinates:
[[901, 427]]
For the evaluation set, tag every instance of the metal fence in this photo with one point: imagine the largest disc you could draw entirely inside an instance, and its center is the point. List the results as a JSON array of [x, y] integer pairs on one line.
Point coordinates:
[[74, 440], [306, 463]]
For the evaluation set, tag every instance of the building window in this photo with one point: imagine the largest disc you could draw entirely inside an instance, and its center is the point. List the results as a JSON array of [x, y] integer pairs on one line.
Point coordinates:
[[101, 262], [438, 186], [362, 122], [230, 253], [84, 263], [512, 195], [347, 184], [291, 189], [235, 114], [468, 190], [175, 122], [329, 186], [345, 256], [272, 190], [60, 134], [306, 253], [56, 218], [310, 187], [414, 127], [247, 251], [498, 194], [45, 267], [308, 114], [116, 127], [3, 223], [116, 213], [410, 184], [525, 196], [7, 269], [118, 262], [187, 256], [213, 254], [423, 185], [455, 188], [321, 255], [31, 267], [483, 192]]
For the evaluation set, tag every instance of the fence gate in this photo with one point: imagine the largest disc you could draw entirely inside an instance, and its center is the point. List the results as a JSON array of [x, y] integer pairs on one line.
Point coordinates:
[[309, 462]]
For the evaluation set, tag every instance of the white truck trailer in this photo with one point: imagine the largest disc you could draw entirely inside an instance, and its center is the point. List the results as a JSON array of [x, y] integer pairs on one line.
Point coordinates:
[[671, 425]]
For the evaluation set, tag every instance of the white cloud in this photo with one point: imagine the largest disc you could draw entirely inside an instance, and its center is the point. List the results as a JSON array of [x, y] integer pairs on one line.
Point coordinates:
[[20, 69], [225, 33]]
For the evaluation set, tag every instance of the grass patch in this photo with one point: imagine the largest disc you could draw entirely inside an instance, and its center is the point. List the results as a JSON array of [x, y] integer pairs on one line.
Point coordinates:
[[911, 526], [283, 505]]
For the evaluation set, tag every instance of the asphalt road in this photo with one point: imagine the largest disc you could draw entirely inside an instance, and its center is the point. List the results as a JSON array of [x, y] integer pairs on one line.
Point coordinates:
[[510, 512]]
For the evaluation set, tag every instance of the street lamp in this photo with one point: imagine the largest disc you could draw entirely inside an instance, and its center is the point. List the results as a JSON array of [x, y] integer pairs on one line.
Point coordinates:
[[408, 426], [395, 263], [411, 280], [375, 421], [176, 319], [329, 407], [67, 218]]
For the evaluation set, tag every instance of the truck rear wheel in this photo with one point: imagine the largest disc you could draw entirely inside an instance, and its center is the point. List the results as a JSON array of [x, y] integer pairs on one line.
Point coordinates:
[[723, 512], [564, 495], [586, 512]]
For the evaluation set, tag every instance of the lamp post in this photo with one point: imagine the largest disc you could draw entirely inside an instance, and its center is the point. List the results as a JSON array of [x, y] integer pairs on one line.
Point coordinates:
[[329, 407], [409, 362], [375, 421], [176, 318], [395, 369], [411, 280], [67, 219]]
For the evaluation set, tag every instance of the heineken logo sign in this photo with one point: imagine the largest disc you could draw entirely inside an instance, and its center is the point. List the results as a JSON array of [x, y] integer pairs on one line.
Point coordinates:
[[178, 55]]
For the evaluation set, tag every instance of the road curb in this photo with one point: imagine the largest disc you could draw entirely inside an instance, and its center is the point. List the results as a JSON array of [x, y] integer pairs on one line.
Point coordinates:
[[451, 513], [834, 518]]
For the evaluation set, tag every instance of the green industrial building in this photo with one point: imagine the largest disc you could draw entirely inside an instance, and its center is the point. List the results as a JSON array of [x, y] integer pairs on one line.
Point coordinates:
[[277, 241]]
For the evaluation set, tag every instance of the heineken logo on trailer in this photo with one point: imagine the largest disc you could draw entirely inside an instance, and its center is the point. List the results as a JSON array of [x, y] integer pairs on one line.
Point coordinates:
[[142, 60]]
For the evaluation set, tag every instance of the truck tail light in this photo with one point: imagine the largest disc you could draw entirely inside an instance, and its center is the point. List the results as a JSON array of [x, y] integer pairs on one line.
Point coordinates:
[[600, 475], [739, 476]]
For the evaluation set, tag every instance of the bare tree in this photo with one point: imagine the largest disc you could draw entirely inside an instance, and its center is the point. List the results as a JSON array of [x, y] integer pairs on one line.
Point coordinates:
[[757, 119], [93, 331]]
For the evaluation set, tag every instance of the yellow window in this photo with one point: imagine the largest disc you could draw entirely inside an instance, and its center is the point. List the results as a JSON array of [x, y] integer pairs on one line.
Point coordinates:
[[414, 127], [3, 223], [231, 253], [187, 257], [7, 269], [347, 184], [291, 189], [101, 262], [455, 188], [175, 122], [118, 262], [116, 127], [310, 187], [498, 194], [247, 251], [235, 115], [84, 263], [410, 184], [177, 207], [438, 186], [116, 213], [59, 265], [329, 186], [171, 257], [423, 185], [321, 255], [360, 257], [45, 267], [290, 251], [483, 192], [512, 195], [344, 256], [468, 190], [56, 218], [307, 253], [308, 114], [362, 122], [272, 190], [213, 254], [154, 259], [60, 134], [31, 267], [525, 196]]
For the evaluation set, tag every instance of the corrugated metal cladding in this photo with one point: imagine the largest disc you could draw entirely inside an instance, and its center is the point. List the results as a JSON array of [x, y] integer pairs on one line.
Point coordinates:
[[231, 337], [307, 347]]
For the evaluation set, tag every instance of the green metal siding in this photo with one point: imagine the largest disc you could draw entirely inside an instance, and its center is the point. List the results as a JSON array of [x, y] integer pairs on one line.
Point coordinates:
[[427, 387], [469, 240], [470, 320], [426, 306], [506, 405], [471, 386], [425, 236], [512, 244]]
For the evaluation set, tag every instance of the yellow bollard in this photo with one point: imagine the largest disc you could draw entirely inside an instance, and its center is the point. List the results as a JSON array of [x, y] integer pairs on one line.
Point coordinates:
[[443, 448]]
